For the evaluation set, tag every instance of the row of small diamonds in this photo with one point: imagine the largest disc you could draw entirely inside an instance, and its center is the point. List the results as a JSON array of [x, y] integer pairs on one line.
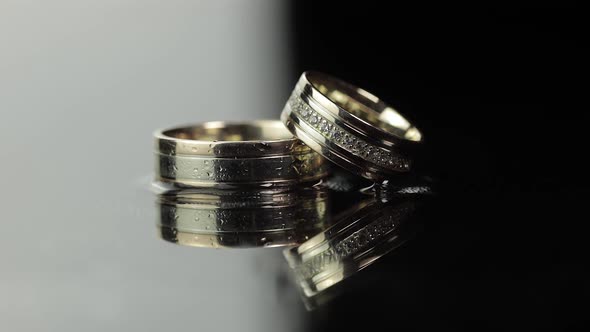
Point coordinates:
[[374, 231], [353, 243], [343, 139]]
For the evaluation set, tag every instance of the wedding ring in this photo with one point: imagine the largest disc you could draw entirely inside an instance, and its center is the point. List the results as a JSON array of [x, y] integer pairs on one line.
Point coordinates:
[[254, 218], [350, 127], [221, 155]]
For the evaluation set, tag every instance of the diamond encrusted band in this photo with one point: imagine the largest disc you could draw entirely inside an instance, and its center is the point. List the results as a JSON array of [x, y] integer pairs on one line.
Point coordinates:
[[350, 127], [345, 139]]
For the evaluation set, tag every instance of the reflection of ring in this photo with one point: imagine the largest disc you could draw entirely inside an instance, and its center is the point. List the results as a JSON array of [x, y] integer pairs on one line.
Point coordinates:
[[242, 219], [350, 244], [350, 126], [218, 154]]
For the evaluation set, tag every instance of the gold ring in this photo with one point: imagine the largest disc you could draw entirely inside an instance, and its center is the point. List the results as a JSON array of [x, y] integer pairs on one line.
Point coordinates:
[[221, 155], [350, 127]]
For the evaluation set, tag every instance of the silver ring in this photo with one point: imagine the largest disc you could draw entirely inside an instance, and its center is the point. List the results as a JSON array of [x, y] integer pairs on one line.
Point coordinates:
[[350, 127], [225, 155]]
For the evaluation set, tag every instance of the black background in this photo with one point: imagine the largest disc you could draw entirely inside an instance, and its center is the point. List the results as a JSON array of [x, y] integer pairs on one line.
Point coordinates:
[[497, 91]]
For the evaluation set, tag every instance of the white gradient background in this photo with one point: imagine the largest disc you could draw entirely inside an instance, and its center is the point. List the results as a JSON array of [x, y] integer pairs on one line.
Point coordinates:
[[83, 84]]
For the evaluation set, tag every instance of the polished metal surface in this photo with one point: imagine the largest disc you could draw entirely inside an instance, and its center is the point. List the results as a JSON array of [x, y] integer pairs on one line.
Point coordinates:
[[224, 155], [238, 219], [350, 127]]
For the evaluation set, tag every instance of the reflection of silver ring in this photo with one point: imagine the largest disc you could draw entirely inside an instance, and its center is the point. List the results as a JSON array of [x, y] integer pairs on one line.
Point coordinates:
[[350, 244], [350, 126], [218, 154], [242, 219]]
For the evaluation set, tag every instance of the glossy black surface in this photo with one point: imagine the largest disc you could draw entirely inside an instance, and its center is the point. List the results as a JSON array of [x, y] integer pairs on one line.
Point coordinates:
[[495, 91]]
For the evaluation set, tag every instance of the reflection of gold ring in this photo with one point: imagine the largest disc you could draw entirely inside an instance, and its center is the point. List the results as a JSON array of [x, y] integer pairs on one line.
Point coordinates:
[[218, 154], [242, 219], [350, 244], [350, 127]]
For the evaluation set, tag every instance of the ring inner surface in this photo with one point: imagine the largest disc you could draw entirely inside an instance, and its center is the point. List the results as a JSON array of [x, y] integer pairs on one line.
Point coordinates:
[[231, 132], [365, 106]]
